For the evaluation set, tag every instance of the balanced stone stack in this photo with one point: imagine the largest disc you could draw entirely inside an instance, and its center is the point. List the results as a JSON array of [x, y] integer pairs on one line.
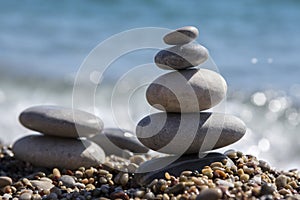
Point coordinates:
[[182, 129], [62, 143]]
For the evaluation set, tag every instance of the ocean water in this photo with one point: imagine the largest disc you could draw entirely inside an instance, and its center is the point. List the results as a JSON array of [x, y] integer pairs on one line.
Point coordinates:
[[255, 45]]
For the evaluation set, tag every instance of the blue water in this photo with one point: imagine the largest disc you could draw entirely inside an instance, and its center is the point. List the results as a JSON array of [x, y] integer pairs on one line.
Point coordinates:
[[255, 44]]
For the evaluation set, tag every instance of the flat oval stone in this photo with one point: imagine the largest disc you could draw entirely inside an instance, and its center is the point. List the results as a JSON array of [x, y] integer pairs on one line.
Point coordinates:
[[190, 90], [181, 57], [174, 165], [182, 35], [60, 121], [115, 141], [189, 133], [49, 151]]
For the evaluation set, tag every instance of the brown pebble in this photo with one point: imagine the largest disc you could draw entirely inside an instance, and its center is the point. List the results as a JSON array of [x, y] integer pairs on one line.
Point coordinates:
[[119, 195], [256, 191], [176, 189], [216, 164], [207, 172], [85, 181], [167, 176], [220, 174], [7, 189], [197, 181]]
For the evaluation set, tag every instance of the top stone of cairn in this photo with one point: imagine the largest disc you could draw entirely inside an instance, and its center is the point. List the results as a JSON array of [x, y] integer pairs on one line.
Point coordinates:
[[61, 121], [181, 36]]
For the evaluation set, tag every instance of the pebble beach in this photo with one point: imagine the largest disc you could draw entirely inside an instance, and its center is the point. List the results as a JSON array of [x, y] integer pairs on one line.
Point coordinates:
[[246, 178]]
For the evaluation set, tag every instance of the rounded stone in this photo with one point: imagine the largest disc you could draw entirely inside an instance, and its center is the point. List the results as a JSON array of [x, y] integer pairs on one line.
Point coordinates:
[[25, 196], [190, 90], [4, 181], [115, 141], [67, 180], [61, 121], [181, 57], [42, 184], [211, 194], [175, 165], [49, 151], [182, 35], [187, 133]]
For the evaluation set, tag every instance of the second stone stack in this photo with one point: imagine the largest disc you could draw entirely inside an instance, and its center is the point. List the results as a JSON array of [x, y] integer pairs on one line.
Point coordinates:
[[182, 94]]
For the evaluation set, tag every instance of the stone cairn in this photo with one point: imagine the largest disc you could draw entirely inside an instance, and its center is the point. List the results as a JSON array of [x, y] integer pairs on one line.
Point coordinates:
[[183, 129], [71, 139], [61, 142]]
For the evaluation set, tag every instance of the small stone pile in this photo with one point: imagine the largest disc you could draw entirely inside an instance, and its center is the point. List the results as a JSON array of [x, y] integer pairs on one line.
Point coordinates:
[[182, 129], [71, 139], [62, 143]]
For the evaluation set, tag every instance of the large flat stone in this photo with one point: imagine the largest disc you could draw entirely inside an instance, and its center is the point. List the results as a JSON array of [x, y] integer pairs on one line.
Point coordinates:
[[189, 133], [174, 165], [49, 151]]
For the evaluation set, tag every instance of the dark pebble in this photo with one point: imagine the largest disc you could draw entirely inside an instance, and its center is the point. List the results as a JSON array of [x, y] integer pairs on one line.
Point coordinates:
[[115, 141], [157, 167]]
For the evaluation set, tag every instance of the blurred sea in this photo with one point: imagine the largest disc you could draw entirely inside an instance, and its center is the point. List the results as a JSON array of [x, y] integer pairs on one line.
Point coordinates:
[[255, 44]]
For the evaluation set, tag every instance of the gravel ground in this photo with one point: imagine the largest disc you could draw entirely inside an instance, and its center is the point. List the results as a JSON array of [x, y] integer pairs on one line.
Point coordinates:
[[248, 178]]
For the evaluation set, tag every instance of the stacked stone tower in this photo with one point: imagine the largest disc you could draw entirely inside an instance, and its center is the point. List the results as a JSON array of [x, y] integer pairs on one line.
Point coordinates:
[[183, 94]]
